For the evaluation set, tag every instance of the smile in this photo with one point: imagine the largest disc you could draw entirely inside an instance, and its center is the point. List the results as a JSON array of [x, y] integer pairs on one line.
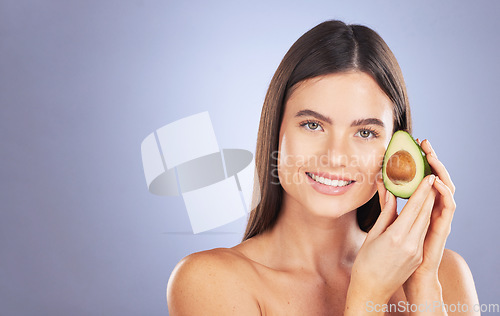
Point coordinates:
[[329, 182]]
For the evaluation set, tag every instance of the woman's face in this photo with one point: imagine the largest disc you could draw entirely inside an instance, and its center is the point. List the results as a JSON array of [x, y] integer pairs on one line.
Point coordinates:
[[336, 126]]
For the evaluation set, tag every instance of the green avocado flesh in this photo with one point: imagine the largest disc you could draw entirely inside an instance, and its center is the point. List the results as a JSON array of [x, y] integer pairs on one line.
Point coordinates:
[[405, 165]]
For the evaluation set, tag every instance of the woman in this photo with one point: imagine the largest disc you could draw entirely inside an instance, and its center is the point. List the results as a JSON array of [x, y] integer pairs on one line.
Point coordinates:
[[326, 238]]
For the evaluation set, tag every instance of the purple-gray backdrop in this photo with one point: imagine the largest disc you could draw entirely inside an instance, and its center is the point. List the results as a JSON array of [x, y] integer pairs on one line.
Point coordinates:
[[83, 82]]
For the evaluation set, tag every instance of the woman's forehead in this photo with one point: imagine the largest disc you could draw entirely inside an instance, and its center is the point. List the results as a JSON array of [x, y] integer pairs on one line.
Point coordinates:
[[343, 95]]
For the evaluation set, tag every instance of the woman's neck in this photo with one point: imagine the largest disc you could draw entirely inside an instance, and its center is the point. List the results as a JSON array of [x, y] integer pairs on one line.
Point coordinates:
[[322, 245]]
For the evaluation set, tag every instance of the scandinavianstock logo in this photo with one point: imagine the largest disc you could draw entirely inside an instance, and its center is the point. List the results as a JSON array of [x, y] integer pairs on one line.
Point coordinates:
[[216, 185]]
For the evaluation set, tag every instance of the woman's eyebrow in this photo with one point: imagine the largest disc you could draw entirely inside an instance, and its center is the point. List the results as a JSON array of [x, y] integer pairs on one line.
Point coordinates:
[[315, 114], [368, 121], [360, 122]]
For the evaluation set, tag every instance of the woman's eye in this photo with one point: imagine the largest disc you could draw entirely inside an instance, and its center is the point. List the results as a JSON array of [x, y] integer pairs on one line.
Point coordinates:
[[314, 126], [365, 133]]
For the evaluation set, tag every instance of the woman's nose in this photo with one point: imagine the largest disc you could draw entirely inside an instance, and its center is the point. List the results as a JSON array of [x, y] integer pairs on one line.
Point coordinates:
[[338, 152]]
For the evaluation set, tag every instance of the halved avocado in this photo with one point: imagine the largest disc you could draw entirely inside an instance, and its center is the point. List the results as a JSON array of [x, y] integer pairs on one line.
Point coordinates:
[[405, 165]]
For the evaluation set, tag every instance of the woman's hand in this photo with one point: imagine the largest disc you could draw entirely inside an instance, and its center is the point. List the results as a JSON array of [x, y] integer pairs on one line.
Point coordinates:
[[425, 276], [393, 249]]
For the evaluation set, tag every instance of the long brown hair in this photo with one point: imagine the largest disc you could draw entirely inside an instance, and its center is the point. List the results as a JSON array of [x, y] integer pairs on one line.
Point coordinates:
[[330, 47]]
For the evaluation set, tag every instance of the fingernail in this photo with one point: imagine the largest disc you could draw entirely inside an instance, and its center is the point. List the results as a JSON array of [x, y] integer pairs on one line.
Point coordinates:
[[431, 179]]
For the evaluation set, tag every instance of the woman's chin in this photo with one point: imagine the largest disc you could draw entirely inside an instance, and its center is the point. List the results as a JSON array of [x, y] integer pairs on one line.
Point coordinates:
[[329, 211]]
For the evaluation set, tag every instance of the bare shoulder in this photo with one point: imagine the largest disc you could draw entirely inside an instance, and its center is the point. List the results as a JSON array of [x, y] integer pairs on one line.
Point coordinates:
[[456, 280], [211, 282]]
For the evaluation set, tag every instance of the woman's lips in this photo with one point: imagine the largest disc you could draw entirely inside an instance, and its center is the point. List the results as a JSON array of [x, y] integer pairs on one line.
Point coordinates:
[[330, 189]]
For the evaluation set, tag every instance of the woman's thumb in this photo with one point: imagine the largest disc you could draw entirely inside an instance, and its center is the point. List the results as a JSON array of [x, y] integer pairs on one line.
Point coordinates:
[[382, 192], [388, 211]]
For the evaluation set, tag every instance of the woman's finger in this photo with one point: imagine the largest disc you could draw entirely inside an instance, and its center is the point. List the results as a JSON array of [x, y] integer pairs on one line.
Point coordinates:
[[427, 147], [421, 224], [382, 192], [388, 214], [448, 202], [440, 170], [440, 226], [410, 211], [437, 166]]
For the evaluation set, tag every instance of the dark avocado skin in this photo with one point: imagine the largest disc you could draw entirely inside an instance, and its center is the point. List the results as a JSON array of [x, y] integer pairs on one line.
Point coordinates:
[[427, 169]]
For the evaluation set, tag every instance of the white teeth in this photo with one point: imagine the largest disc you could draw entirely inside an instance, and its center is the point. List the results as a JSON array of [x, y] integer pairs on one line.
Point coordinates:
[[333, 183]]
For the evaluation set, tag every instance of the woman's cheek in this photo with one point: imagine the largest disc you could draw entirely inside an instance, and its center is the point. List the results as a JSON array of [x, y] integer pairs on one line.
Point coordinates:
[[287, 159], [371, 163], [296, 152]]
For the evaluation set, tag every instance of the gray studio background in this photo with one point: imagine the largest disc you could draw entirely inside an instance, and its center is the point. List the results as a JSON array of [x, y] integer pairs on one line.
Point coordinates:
[[82, 83]]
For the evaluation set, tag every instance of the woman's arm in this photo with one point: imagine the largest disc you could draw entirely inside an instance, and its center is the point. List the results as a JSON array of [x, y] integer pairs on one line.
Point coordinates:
[[208, 283]]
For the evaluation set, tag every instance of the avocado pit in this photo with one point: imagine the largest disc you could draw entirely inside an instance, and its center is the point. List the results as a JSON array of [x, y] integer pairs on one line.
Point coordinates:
[[401, 167]]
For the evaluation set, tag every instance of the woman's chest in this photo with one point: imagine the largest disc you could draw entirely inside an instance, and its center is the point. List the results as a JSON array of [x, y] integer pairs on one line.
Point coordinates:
[[284, 294]]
